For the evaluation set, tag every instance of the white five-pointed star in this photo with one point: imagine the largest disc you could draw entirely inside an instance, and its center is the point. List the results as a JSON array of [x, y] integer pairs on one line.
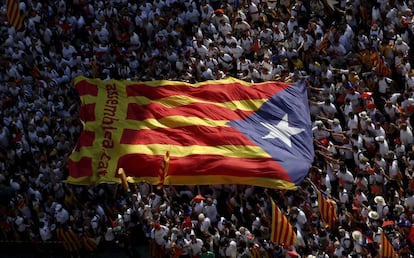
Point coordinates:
[[282, 130]]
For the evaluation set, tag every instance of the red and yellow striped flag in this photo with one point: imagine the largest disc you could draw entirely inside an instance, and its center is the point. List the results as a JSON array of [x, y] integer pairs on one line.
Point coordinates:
[[387, 250], [13, 13], [282, 232], [327, 209], [214, 132]]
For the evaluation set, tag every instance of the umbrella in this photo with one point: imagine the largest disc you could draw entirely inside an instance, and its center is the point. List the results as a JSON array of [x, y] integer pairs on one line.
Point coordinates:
[[370, 105], [219, 11], [366, 95], [387, 223], [198, 198]]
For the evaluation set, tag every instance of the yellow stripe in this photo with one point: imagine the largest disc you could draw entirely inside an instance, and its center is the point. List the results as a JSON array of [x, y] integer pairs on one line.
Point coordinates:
[[166, 122], [198, 180], [225, 179], [180, 100], [161, 83], [237, 151]]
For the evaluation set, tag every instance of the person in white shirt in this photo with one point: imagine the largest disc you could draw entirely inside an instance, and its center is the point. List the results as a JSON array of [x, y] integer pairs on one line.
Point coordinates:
[[231, 249], [154, 201], [343, 197], [195, 244], [44, 231], [210, 210], [354, 96], [206, 73], [346, 109], [319, 131], [68, 50], [382, 207], [300, 216], [158, 234], [353, 122], [204, 223], [406, 135], [409, 200], [346, 179], [225, 60], [236, 50], [328, 109], [391, 111], [61, 214], [382, 144]]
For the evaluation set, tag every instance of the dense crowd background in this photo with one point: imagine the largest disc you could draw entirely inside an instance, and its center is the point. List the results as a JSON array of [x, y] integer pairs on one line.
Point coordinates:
[[356, 57]]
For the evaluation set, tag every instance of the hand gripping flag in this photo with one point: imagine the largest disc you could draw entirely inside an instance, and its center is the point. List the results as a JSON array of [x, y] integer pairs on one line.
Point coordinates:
[[216, 132], [282, 232]]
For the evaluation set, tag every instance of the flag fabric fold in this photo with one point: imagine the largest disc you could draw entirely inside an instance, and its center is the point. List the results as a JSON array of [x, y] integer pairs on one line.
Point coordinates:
[[13, 13], [327, 209], [163, 172], [282, 232], [216, 132], [387, 250]]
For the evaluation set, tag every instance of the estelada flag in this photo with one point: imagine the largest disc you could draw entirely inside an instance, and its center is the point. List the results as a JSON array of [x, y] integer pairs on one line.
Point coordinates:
[[282, 232], [216, 132], [387, 250], [327, 209], [13, 14]]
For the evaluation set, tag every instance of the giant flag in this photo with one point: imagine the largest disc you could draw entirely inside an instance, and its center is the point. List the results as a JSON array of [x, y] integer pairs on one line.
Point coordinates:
[[282, 232], [215, 132], [13, 13]]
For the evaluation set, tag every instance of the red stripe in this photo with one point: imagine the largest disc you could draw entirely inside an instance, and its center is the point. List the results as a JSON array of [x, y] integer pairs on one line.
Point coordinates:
[[141, 165], [187, 136], [86, 88], [202, 110], [278, 227], [80, 168], [208, 92], [86, 139], [287, 235], [283, 231], [87, 112], [276, 233]]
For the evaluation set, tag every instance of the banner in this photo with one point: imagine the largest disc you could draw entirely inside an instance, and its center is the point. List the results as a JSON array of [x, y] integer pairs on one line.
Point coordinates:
[[215, 132]]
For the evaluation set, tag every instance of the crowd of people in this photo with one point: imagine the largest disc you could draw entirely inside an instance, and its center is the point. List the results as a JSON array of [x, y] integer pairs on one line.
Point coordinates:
[[355, 56]]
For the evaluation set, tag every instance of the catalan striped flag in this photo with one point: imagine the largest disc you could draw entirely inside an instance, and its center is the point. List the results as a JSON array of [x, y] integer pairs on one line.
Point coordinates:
[[282, 232], [13, 13], [387, 250], [216, 132], [327, 209]]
